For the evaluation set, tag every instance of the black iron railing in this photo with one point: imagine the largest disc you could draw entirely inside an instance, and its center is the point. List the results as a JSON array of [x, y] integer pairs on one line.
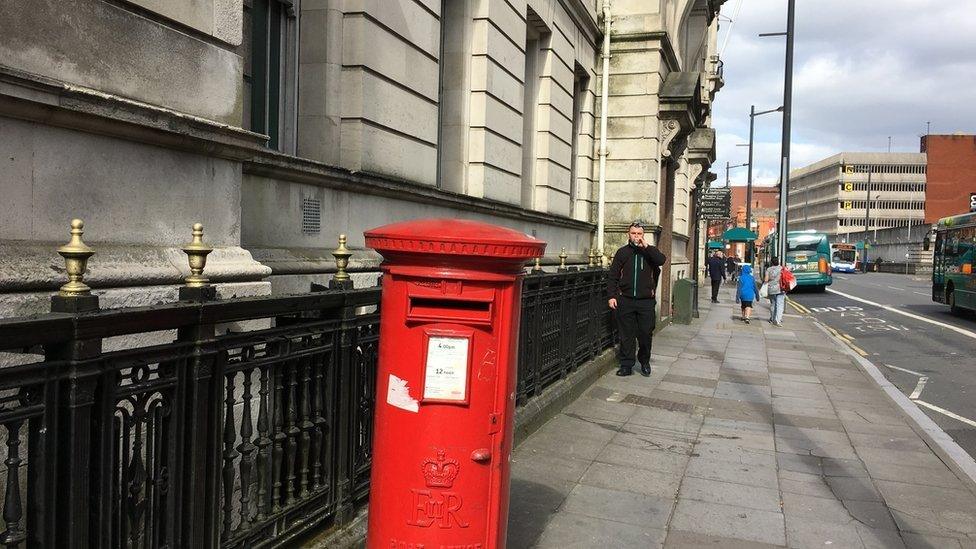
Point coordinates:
[[205, 437], [565, 323]]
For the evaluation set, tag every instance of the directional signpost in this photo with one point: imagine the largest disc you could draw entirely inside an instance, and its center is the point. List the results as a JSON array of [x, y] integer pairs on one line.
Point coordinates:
[[716, 204]]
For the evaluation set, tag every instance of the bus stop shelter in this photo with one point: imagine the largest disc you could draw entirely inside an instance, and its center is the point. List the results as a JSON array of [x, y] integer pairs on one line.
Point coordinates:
[[742, 234]]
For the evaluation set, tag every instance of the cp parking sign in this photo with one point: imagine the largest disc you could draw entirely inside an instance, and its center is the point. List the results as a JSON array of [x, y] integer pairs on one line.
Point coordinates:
[[972, 202]]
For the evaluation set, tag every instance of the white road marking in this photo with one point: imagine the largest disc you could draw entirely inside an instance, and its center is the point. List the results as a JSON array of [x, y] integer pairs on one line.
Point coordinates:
[[918, 388], [957, 329], [945, 412], [921, 293], [906, 370], [897, 288], [922, 380], [841, 277]]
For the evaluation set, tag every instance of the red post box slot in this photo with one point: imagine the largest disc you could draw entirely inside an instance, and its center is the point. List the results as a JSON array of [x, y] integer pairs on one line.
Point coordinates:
[[449, 309]]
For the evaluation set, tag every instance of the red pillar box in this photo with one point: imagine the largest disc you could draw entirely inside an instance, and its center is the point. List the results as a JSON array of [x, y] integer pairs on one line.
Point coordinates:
[[445, 389]]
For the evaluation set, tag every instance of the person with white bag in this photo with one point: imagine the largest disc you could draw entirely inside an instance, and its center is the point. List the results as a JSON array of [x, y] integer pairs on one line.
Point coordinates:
[[772, 288]]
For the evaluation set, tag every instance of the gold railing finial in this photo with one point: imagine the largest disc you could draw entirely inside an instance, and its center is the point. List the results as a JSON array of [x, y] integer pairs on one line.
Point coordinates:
[[562, 258], [341, 255], [538, 266], [591, 258], [75, 254], [196, 253]]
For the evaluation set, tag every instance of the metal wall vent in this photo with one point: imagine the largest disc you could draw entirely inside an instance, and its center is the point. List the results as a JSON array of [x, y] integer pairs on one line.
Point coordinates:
[[311, 215]]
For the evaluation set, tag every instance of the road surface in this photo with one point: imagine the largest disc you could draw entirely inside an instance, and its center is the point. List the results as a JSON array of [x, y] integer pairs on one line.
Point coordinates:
[[926, 351]]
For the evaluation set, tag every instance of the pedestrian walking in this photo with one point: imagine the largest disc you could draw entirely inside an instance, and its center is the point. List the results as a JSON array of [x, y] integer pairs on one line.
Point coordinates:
[[634, 272], [716, 272], [777, 294], [746, 292], [731, 265]]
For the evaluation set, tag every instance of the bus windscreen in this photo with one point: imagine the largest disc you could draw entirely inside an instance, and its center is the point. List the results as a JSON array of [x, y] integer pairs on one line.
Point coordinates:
[[844, 256]]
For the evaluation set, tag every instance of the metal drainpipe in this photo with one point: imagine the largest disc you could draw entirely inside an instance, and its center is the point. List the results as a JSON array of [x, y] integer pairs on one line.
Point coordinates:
[[605, 93]]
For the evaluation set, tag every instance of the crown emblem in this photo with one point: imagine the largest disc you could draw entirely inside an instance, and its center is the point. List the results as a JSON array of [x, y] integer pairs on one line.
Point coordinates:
[[440, 473]]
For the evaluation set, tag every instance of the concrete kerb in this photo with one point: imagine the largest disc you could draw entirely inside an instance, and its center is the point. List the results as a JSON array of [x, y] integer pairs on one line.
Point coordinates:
[[961, 463]]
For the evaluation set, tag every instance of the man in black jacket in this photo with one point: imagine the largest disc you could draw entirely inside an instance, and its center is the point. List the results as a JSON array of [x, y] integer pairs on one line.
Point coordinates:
[[716, 272], [633, 278]]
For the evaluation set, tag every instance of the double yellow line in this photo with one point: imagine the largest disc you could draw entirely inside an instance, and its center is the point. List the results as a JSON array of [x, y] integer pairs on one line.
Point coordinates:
[[799, 308], [846, 339], [849, 340]]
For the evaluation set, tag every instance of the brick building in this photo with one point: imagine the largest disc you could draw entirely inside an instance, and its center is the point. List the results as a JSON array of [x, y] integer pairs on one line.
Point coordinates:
[[951, 177]]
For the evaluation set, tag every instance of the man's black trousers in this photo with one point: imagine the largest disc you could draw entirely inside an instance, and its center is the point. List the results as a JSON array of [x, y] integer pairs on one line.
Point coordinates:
[[635, 321], [716, 284]]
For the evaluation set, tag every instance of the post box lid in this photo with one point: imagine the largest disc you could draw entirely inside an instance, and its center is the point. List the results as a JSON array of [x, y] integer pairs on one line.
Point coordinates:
[[454, 237]]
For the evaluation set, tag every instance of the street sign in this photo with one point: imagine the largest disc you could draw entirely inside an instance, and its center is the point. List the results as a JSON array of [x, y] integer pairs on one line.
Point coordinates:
[[848, 187], [716, 204], [972, 202]]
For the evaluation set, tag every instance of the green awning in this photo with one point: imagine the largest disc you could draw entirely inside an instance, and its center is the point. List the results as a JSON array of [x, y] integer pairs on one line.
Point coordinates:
[[739, 234], [715, 245]]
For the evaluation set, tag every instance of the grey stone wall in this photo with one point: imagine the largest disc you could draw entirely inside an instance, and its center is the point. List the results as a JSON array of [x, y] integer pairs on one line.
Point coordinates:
[[129, 115], [105, 47]]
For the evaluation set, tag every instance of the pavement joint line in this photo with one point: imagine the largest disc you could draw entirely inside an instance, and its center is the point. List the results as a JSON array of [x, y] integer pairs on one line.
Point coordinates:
[[957, 329], [948, 450], [946, 413]]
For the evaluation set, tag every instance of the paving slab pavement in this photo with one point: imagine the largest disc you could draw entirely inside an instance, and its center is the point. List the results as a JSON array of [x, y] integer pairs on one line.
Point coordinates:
[[744, 436]]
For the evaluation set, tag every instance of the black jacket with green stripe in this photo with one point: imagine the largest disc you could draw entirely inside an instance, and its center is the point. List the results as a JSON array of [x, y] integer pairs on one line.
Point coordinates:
[[634, 271]]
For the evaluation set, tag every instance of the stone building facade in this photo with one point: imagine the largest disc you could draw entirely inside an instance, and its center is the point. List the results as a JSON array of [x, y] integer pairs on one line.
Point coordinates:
[[279, 124]]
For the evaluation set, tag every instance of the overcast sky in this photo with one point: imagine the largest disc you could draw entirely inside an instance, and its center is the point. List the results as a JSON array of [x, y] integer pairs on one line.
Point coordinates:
[[864, 70]]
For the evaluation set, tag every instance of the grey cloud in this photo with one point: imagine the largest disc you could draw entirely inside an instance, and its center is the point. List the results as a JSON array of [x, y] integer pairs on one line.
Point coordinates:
[[864, 70]]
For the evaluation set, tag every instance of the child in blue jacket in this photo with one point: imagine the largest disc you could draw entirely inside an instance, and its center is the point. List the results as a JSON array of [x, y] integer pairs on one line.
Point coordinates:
[[746, 292]]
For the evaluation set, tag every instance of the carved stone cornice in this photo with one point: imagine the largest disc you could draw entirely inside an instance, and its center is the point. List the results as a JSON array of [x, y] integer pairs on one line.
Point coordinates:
[[701, 152], [680, 110]]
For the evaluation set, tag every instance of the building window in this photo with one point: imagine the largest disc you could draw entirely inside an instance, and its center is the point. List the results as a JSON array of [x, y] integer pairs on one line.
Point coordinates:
[[268, 48], [580, 83], [454, 82], [536, 43]]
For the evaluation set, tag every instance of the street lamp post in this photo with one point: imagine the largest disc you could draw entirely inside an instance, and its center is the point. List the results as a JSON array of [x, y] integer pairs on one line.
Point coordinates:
[[784, 168], [752, 123], [730, 167]]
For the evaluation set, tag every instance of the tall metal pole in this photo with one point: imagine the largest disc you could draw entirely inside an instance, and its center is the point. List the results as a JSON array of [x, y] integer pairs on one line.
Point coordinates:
[[784, 168], [752, 243], [727, 173], [867, 220]]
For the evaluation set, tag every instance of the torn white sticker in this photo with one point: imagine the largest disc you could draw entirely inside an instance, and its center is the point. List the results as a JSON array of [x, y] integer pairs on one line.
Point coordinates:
[[398, 394]]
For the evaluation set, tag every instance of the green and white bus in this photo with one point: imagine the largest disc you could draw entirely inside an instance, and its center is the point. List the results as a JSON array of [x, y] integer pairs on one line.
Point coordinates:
[[807, 255], [953, 279]]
